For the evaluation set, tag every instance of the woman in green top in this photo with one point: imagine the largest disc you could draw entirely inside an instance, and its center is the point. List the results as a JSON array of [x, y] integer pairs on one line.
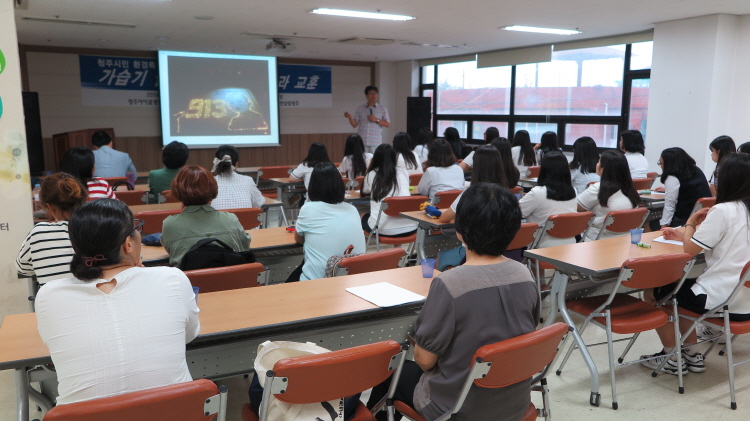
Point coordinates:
[[195, 187], [174, 157]]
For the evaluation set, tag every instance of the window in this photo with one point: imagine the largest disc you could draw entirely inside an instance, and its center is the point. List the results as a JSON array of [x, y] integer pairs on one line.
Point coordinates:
[[605, 135], [479, 127], [641, 55], [459, 125], [536, 129], [428, 74], [638, 115], [464, 89]]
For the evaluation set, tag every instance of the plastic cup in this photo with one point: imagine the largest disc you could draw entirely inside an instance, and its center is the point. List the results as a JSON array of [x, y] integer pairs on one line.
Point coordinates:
[[428, 267], [130, 177], [635, 235], [195, 291]]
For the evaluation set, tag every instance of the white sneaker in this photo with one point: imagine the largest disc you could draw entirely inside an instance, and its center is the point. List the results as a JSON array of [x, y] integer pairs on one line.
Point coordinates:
[[654, 360], [694, 362], [706, 333]]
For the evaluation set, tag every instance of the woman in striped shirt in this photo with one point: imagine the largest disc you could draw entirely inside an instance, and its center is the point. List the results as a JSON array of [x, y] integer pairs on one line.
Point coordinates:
[[46, 251], [79, 162]]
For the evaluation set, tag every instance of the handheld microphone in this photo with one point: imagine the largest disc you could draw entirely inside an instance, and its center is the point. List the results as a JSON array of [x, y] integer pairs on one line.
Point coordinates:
[[370, 110]]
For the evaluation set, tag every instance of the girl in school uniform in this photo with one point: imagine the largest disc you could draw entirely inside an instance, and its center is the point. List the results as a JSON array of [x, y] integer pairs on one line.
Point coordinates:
[[317, 154], [720, 148], [523, 152], [407, 160], [631, 143], [548, 143], [423, 141], [458, 146], [583, 165], [554, 194], [356, 160], [684, 183], [614, 192], [442, 173], [384, 179], [490, 134], [506, 157]]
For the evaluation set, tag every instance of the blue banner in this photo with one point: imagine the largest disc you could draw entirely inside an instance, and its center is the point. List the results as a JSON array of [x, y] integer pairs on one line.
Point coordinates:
[[302, 86], [124, 73]]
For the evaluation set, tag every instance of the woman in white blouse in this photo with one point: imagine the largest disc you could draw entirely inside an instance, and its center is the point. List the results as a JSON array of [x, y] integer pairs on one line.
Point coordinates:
[[356, 160], [112, 328], [523, 152], [407, 160], [614, 192], [583, 165], [490, 134], [423, 144], [631, 143], [236, 191], [442, 173]]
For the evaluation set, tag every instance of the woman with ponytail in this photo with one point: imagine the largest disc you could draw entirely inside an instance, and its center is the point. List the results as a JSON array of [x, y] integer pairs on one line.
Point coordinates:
[[236, 191], [46, 251], [115, 326]]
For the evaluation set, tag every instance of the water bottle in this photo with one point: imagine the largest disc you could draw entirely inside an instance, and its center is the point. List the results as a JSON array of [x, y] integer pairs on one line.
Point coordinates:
[[35, 195]]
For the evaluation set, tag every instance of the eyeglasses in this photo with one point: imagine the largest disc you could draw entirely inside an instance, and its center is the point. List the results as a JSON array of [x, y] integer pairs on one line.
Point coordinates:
[[138, 225], [659, 162]]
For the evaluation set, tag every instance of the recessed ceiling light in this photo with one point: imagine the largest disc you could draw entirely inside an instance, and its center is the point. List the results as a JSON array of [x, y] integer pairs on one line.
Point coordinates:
[[205, 17], [357, 14], [541, 30]]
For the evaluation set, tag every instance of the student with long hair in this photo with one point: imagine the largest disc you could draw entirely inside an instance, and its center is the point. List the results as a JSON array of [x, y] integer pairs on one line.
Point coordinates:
[[554, 194], [684, 183], [46, 250], [631, 143], [512, 175], [720, 148], [442, 173], [407, 160], [614, 192], [78, 161], [583, 165], [355, 160], [722, 234], [547, 143], [384, 179], [114, 326], [423, 144], [453, 138], [523, 152], [315, 155], [490, 134], [236, 191]]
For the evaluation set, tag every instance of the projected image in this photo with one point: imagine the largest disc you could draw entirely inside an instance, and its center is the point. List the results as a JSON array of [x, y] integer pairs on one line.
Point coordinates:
[[224, 111]]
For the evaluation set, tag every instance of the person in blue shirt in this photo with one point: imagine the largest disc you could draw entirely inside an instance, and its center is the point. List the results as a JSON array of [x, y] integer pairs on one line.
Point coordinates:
[[109, 162]]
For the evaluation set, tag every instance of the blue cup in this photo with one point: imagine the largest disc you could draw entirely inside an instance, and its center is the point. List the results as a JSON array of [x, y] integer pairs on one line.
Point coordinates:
[[635, 235], [195, 291], [428, 267]]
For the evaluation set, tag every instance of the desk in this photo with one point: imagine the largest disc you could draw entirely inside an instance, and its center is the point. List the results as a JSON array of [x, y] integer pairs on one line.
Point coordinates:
[[655, 205], [161, 206], [527, 181], [283, 185], [234, 323], [594, 258], [426, 225], [249, 171]]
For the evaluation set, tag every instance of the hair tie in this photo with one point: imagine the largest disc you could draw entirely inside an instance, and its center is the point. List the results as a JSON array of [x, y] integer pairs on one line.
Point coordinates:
[[89, 261], [218, 161]]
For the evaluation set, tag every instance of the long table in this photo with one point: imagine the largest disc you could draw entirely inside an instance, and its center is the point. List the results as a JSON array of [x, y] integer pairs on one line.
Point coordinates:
[[269, 203], [234, 323], [424, 230]]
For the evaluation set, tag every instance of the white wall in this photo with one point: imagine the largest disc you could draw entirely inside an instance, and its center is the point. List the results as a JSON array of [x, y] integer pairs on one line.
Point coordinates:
[[385, 80]]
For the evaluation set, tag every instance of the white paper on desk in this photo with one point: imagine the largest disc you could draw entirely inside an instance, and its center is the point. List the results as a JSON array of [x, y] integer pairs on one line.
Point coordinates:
[[384, 294], [658, 192], [662, 240]]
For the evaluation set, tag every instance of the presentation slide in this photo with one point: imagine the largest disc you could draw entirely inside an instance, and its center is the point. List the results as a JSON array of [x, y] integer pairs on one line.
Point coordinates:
[[209, 100]]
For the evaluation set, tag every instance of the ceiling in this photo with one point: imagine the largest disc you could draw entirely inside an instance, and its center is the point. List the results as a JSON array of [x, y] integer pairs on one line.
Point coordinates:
[[471, 25]]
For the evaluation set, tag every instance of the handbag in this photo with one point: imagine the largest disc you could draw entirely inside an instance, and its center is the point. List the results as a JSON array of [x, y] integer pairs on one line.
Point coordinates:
[[334, 260]]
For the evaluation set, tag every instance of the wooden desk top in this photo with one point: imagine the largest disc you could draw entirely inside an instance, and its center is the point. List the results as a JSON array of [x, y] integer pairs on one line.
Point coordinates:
[[597, 257], [269, 203], [652, 197], [285, 181], [247, 170], [162, 206], [239, 309], [425, 220]]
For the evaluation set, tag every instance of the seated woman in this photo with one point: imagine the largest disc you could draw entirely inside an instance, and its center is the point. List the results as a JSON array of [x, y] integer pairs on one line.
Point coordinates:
[[174, 156], [720, 148], [523, 152], [423, 144], [355, 161], [583, 165], [46, 251], [722, 233], [554, 194], [236, 191], [196, 188], [614, 192], [326, 225], [684, 183], [468, 299], [490, 134], [407, 160], [547, 143], [115, 326], [459, 148], [631, 143], [512, 175], [78, 161], [384, 179], [315, 155], [442, 174]]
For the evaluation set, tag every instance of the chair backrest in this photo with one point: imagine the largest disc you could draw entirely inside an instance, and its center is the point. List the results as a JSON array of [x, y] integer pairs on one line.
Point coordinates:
[[153, 220], [197, 400], [359, 181], [533, 172], [414, 179], [332, 375], [113, 180], [746, 274], [278, 171], [524, 236], [655, 271], [392, 206], [248, 216], [566, 225], [703, 202], [624, 220], [642, 183], [517, 190], [131, 197], [227, 277], [652, 175], [169, 197], [370, 262], [446, 198]]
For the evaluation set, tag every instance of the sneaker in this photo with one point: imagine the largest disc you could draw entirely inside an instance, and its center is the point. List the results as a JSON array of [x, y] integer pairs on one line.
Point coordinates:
[[670, 367], [694, 362], [706, 333]]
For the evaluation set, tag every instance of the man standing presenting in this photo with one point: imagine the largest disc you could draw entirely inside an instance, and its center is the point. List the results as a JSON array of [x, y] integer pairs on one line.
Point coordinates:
[[370, 118], [109, 162]]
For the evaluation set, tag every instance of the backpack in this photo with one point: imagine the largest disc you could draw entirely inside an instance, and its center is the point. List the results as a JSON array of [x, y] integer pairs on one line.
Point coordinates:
[[334, 260], [213, 253]]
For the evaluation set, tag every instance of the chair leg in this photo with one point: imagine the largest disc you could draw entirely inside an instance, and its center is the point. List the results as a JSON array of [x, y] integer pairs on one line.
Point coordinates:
[[723, 351], [730, 359], [572, 346], [627, 348], [678, 347], [611, 354]]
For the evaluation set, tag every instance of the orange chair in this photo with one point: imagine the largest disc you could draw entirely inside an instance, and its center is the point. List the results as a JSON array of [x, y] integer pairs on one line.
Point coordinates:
[[359, 182], [517, 190], [332, 375], [393, 206], [228, 277], [131, 197], [533, 172], [248, 216], [153, 220], [508, 362], [446, 198], [621, 222], [524, 237], [113, 180], [652, 176], [625, 314], [371, 262], [414, 179], [267, 173], [168, 197], [198, 400], [642, 183], [703, 202]]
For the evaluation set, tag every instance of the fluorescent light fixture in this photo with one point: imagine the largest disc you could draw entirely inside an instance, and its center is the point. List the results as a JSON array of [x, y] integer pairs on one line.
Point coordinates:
[[78, 22], [356, 14], [541, 30]]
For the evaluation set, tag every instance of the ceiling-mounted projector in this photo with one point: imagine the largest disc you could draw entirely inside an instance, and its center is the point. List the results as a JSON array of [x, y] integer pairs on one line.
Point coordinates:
[[279, 46]]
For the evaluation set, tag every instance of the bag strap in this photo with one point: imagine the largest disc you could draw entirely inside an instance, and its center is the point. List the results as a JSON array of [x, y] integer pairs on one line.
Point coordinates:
[[348, 250], [205, 241]]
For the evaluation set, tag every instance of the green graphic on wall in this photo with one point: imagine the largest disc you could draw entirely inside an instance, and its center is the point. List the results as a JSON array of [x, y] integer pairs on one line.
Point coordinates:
[[1, 107], [2, 61]]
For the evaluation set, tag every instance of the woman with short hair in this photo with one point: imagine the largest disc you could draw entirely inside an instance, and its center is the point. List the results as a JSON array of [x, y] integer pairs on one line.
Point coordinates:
[[174, 156], [442, 173], [631, 143], [583, 165], [236, 191], [79, 162]]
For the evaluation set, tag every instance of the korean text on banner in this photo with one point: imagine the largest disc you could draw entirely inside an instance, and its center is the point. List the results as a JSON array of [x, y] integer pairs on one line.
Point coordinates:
[[119, 81], [305, 86]]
